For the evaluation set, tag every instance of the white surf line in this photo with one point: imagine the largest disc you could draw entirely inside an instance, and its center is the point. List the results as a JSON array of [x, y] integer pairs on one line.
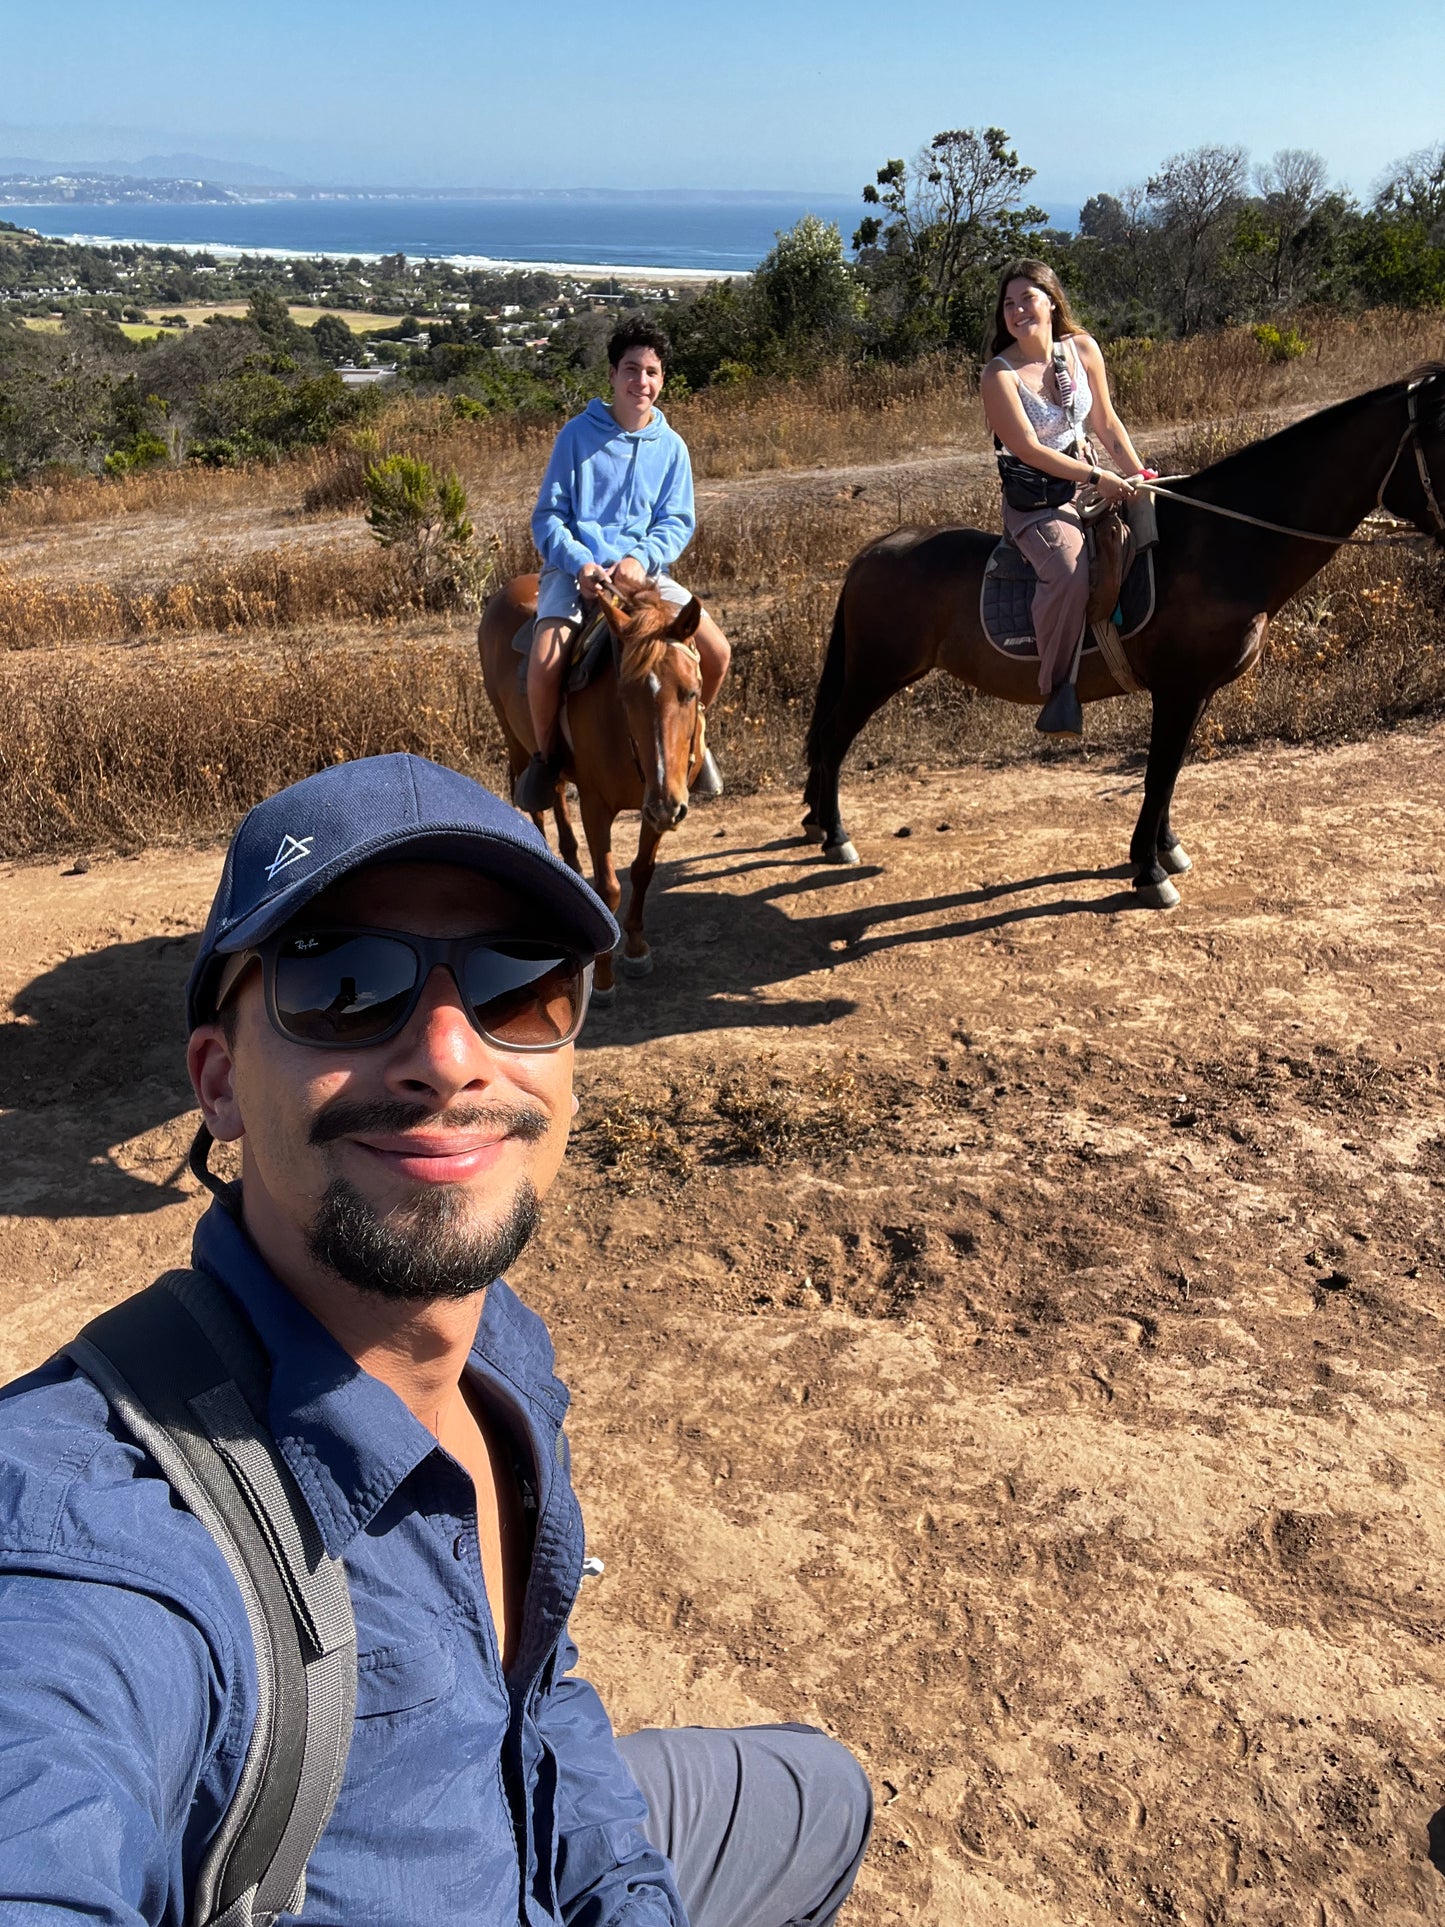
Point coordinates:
[[579, 270]]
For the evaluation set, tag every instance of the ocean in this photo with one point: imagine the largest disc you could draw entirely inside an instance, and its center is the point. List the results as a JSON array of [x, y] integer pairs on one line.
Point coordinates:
[[688, 233]]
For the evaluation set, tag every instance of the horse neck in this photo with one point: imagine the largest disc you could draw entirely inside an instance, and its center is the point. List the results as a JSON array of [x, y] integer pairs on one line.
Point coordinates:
[[1323, 475]]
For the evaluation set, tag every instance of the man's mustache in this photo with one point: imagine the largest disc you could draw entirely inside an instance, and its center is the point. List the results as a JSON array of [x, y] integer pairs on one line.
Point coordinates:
[[343, 1118]]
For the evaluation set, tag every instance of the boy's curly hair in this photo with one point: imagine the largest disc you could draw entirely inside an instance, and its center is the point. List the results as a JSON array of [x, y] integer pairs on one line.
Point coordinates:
[[638, 332]]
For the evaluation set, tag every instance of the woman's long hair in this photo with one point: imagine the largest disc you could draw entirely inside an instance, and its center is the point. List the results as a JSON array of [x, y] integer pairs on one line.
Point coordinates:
[[1042, 276]]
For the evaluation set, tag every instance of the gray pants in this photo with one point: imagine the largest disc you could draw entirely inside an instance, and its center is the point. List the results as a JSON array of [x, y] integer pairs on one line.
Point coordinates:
[[765, 1825]]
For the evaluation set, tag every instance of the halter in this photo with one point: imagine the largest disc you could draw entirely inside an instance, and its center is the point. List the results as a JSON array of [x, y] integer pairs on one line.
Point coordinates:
[[1412, 433], [672, 642]]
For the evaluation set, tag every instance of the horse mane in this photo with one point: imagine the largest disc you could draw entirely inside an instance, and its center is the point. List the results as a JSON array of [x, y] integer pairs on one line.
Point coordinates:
[[644, 648], [641, 657], [1247, 460]]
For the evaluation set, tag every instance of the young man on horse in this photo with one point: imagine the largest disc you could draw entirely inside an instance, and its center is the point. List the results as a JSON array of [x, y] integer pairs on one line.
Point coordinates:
[[615, 505]]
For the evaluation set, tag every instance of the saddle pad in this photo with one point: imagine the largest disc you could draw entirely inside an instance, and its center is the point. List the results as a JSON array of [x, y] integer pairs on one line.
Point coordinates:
[[1005, 604]]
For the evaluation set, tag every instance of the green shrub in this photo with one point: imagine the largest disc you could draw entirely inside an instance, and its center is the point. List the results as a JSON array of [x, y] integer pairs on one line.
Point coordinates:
[[422, 518], [143, 450], [1280, 344]]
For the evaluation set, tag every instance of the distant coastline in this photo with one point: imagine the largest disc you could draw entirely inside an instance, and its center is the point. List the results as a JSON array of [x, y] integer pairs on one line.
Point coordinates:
[[678, 237]]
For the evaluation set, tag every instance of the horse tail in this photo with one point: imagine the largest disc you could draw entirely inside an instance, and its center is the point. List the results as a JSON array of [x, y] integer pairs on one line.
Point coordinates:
[[830, 685]]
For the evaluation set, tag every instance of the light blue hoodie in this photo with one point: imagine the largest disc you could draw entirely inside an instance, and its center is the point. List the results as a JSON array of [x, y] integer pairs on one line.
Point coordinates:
[[608, 493]]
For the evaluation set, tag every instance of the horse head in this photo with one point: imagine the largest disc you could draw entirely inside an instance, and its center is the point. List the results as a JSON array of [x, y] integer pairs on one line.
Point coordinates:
[[1415, 486], [659, 683]]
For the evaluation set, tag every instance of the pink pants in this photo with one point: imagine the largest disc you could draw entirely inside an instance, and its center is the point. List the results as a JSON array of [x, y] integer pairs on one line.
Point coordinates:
[[1053, 541]]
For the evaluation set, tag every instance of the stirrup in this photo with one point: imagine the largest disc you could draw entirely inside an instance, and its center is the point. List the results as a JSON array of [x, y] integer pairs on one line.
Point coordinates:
[[708, 782]]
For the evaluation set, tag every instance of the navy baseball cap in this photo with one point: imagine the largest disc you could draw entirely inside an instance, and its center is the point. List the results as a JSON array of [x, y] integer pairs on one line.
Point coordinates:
[[290, 847]]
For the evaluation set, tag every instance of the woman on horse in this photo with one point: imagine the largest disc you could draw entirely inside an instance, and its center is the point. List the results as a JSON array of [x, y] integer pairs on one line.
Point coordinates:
[[615, 506], [1044, 392]]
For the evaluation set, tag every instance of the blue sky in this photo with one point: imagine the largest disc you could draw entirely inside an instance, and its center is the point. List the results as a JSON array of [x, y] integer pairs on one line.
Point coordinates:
[[757, 94]]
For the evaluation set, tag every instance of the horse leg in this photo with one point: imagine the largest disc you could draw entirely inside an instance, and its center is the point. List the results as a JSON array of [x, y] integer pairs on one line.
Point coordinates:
[[852, 711], [812, 828], [597, 828], [566, 835], [1171, 852], [635, 959], [1153, 846]]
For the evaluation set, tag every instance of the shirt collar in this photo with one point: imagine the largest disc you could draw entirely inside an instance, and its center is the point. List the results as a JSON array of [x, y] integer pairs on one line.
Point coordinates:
[[349, 1439]]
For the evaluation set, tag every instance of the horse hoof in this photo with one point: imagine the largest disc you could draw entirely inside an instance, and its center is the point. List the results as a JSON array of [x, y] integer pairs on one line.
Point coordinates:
[[813, 832], [840, 852], [634, 966], [1157, 896], [604, 999], [1175, 861]]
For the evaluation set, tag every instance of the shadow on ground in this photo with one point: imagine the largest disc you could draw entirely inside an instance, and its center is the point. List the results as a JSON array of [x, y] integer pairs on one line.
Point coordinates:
[[93, 1056]]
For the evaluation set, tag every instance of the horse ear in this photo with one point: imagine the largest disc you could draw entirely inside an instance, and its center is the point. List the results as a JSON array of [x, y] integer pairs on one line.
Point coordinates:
[[684, 624]]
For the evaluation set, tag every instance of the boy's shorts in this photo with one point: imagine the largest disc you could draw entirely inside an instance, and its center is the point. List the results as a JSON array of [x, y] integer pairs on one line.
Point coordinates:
[[559, 600]]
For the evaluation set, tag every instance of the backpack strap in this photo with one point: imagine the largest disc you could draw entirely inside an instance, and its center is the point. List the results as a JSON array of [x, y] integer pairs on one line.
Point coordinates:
[[187, 1376]]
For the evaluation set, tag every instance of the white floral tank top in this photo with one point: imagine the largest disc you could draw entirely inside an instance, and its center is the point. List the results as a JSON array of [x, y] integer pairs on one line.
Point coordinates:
[[1056, 427]]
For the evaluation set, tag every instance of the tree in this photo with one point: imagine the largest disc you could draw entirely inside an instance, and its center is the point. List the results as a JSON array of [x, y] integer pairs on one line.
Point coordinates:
[[950, 217], [1414, 190], [1115, 264], [804, 294], [1194, 199], [1281, 231], [334, 340]]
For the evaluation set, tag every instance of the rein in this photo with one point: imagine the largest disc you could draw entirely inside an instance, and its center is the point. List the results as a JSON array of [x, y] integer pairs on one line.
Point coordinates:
[[1377, 541]]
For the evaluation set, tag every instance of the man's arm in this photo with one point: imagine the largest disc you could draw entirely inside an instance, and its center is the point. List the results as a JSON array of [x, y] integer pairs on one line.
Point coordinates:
[[111, 1713], [552, 517], [608, 1873], [673, 517]]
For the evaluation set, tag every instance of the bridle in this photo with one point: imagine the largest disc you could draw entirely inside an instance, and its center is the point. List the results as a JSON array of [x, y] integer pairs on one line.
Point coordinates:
[[1374, 541], [1412, 434], [673, 642]]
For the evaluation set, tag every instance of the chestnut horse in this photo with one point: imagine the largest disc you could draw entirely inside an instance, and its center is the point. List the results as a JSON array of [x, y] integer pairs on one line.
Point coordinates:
[[910, 602], [636, 738]]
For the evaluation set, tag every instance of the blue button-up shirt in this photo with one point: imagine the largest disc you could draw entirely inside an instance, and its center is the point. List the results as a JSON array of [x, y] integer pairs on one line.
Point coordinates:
[[128, 1679]]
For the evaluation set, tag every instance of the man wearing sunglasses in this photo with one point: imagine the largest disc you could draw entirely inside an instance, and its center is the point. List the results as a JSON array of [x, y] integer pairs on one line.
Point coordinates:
[[382, 1016]]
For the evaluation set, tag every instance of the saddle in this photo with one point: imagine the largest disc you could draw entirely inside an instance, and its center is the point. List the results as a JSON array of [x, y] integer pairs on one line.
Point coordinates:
[[1121, 588], [589, 648]]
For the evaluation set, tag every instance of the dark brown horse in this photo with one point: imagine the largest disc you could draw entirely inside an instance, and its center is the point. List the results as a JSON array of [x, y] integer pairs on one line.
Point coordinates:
[[636, 738], [910, 600]]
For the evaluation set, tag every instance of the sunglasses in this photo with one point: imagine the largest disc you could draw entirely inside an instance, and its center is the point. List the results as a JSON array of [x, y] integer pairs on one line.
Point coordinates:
[[344, 988]]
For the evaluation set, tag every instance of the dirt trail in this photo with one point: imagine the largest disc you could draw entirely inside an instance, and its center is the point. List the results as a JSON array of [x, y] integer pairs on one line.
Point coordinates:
[[1006, 1324]]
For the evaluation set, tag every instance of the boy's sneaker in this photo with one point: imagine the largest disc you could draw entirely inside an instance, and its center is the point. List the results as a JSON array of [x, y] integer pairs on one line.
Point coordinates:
[[708, 783], [535, 790]]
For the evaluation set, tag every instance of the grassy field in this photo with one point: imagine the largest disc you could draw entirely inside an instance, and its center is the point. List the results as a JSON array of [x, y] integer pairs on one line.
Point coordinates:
[[134, 330], [359, 322], [154, 681]]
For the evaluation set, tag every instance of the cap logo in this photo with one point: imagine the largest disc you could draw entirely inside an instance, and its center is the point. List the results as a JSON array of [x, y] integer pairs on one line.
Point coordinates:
[[292, 849]]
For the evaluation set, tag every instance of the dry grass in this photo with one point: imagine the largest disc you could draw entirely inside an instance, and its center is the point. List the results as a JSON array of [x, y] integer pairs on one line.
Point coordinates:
[[268, 589], [126, 757], [754, 1113], [164, 742], [1230, 374]]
